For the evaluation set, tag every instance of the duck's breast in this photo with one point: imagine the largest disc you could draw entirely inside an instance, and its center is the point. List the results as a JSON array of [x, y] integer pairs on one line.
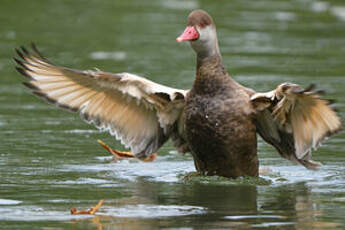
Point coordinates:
[[220, 130]]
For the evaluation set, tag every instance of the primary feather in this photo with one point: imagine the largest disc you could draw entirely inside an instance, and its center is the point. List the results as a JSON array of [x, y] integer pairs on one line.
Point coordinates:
[[138, 112]]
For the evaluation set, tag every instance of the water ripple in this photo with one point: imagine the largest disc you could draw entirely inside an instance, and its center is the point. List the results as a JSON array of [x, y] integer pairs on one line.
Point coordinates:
[[152, 211], [9, 202]]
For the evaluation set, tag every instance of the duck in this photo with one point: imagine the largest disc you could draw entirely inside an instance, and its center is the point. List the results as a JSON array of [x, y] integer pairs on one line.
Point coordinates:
[[217, 121]]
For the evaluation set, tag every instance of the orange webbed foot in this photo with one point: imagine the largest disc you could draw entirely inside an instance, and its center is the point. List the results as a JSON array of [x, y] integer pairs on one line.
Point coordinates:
[[118, 155]]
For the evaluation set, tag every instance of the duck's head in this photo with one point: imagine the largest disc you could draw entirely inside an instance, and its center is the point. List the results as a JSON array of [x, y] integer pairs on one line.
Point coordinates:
[[201, 32]]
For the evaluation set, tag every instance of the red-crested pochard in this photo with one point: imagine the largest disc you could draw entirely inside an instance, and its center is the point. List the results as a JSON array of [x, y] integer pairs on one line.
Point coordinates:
[[217, 121]]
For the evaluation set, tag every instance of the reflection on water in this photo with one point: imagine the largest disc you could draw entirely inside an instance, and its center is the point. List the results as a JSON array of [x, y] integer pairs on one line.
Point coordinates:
[[138, 200], [50, 161]]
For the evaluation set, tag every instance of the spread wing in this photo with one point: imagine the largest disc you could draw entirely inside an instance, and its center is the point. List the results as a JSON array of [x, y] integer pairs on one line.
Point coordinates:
[[138, 112], [295, 120]]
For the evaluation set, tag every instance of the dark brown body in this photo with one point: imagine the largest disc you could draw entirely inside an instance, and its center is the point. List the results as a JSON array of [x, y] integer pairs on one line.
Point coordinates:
[[218, 123]]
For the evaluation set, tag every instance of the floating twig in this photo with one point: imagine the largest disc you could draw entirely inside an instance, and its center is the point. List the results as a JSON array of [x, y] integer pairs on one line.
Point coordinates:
[[91, 211]]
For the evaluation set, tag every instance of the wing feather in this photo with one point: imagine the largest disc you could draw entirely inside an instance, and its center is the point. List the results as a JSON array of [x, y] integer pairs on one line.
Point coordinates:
[[138, 112], [301, 115]]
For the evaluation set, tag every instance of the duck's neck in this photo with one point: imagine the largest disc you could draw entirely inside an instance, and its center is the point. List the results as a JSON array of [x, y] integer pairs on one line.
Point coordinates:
[[208, 51], [204, 62], [210, 75]]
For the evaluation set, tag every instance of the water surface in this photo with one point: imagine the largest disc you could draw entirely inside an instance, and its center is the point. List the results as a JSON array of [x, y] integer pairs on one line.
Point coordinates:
[[50, 161]]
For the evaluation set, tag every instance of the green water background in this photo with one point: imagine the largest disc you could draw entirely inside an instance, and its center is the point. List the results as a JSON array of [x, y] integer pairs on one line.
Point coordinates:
[[49, 158]]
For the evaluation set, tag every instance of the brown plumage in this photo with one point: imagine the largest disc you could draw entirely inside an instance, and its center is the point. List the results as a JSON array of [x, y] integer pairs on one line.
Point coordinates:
[[217, 120], [219, 127], [295, 120]]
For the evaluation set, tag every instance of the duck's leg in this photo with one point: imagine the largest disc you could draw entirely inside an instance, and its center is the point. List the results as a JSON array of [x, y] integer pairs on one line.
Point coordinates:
[[117, 154], [121, 154]]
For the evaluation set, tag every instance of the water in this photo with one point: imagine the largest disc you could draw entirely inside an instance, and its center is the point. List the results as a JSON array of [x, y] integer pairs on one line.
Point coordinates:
[[50, 161]]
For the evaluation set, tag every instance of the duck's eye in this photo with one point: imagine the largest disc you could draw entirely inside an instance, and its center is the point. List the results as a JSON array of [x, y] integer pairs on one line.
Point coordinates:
[[202, 24]]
